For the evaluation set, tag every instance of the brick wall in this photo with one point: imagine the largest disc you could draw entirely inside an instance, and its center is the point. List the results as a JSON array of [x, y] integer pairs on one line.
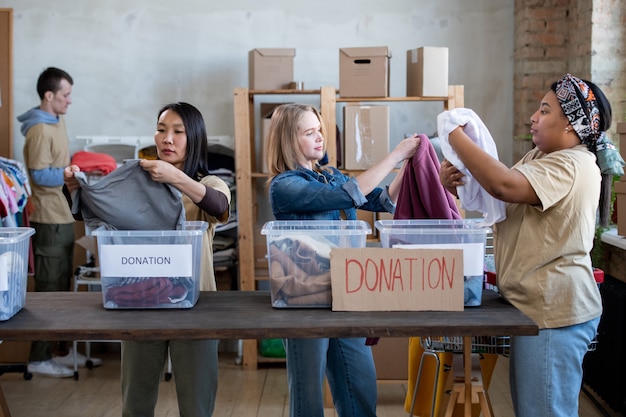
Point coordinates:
[[584, 37]]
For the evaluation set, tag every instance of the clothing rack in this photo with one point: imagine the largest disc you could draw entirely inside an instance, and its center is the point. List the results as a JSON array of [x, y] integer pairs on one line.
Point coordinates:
[[14, 194]]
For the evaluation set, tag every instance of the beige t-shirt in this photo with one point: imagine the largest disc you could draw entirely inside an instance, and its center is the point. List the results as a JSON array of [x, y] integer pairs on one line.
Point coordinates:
[[47, 146], [542, 252], [194, 213]]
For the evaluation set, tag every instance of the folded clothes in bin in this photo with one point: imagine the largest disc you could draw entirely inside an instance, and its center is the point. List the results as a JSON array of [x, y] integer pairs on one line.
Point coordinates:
[[151, 268], [299, 258], [300, 276], [149, 292]]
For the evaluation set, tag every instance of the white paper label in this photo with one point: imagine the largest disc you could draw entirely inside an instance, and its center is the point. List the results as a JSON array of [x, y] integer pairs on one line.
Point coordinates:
[[146, 260], [473, 255]]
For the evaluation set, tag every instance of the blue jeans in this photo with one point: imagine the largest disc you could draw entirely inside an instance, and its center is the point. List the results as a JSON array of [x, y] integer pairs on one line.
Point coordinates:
[[349, 367], [546, 370]]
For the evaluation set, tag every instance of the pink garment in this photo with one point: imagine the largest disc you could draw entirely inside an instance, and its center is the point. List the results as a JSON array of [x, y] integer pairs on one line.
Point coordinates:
[[422, 196]]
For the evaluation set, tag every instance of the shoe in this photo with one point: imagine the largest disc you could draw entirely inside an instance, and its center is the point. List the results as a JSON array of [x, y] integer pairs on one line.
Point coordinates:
[[81, 360], [49, 368]]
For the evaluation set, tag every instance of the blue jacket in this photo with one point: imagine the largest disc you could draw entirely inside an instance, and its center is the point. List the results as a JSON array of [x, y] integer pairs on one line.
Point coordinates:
[[302, 194]]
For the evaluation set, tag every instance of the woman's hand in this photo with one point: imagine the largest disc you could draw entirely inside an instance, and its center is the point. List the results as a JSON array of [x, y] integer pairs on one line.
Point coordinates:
[[406, 148], [70, 181], [161, 171], [450, 177]]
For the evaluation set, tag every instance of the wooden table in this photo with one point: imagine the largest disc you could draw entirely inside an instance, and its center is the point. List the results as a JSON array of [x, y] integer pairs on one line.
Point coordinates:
[[249, 315]]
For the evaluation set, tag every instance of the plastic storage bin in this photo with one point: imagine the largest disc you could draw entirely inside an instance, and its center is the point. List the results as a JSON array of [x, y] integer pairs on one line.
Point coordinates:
[[465, 234], [151, 268], [13, 269], [298, 253]]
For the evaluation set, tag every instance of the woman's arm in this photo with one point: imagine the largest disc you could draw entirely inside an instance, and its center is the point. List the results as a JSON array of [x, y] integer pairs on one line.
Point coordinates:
[[450, 177], [497, 179], [370, 179], [394, 187], [161, 171]]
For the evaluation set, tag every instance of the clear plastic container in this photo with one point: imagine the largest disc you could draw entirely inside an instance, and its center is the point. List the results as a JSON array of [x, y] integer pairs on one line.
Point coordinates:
[[151, 268], [298, 253], [14, 244], [466, 234]]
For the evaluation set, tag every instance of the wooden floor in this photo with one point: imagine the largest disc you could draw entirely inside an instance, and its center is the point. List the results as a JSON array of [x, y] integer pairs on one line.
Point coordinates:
[[261, 393]]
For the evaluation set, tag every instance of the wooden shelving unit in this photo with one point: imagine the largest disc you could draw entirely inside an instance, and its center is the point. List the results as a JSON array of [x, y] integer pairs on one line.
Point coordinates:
[[247, 173], [6, 82]]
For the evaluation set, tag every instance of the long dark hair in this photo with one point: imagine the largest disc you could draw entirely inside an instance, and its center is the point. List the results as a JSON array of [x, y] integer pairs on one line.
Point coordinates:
[[196, 163]]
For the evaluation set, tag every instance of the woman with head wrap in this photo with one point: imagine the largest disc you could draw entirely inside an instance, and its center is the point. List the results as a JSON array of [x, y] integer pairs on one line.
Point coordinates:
[[542, 248]]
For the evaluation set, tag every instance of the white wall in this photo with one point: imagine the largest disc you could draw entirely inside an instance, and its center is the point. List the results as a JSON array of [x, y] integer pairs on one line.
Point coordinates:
[[129, 57]]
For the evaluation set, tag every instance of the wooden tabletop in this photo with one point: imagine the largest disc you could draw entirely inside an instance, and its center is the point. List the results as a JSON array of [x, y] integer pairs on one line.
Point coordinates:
[[246, 315]]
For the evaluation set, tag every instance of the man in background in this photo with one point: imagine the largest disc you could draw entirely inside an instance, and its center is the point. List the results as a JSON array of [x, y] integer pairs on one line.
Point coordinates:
[[46, 154]]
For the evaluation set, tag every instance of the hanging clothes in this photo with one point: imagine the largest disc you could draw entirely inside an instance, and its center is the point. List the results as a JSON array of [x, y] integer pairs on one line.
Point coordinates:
[[15, 192]]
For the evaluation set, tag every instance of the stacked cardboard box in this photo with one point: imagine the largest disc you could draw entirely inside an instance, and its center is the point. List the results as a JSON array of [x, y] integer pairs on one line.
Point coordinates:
[[427, 72], [366, 136], [364, 72], [270, 68]]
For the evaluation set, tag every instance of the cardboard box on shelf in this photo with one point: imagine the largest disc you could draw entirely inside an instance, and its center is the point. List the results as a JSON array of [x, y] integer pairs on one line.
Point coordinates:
[[270, 68], [364, 72], [366, 136], [427, 72], [266, 110]]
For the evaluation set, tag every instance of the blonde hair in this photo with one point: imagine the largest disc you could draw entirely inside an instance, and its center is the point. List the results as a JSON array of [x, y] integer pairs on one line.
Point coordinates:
[[283, 143]]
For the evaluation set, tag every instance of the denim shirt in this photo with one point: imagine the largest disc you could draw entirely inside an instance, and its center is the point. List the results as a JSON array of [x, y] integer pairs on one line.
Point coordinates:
[[303, 194]]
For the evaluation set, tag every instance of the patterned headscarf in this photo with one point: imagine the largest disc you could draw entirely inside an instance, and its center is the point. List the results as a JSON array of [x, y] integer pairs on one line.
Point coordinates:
[[580, 106]]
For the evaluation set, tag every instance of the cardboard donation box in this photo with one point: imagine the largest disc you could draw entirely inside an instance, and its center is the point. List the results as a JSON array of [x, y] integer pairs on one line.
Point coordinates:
[[364, 72], [299, 254], [14, 244], [387, 279], [427, 72], [151, 268], [442, 235], [270, 68], [366, 136]]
